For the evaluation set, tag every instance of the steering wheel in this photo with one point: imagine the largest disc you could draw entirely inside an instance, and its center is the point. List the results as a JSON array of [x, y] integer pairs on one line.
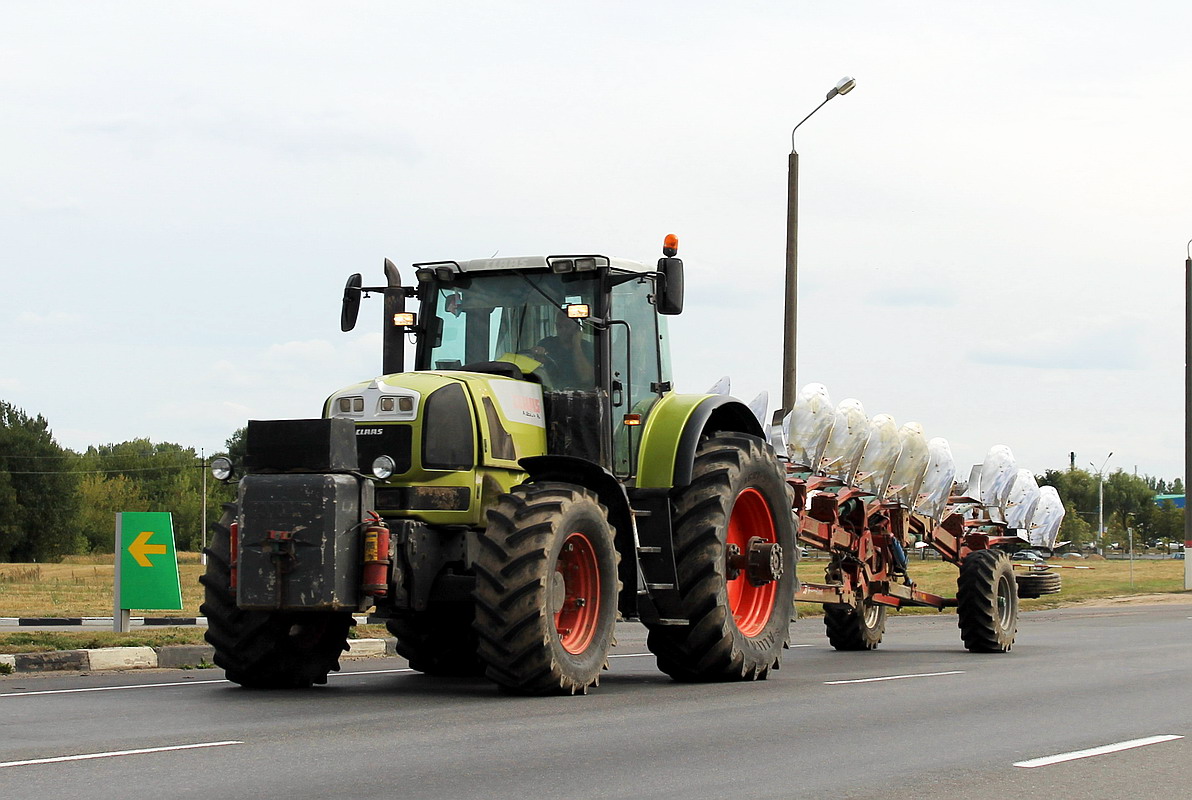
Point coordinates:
[[549, 367]]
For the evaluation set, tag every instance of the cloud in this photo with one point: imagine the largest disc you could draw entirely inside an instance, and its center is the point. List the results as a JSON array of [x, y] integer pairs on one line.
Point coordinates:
[[1087, 344], [914, 297], [54, 318]]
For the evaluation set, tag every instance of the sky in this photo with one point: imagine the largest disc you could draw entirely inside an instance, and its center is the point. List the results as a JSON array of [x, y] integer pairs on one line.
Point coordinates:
[[993, 224]]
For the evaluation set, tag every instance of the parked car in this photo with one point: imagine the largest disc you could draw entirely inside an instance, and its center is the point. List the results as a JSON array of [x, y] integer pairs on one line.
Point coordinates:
[[1027, 555], [1072, 555]]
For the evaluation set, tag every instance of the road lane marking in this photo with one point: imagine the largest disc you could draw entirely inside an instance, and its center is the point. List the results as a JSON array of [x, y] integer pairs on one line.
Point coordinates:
[[113, 754], [1094, 751], [895, 677], [108, 688], [369, 672], [178, 683]]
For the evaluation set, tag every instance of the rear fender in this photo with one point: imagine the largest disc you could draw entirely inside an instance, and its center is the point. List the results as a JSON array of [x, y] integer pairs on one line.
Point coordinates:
[[673, 432]]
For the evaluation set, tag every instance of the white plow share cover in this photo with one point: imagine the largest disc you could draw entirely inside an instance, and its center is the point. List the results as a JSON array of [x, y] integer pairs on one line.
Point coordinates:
[[900, 463]]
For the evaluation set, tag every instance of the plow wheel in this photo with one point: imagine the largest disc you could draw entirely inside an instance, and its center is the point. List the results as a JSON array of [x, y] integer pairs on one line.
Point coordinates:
[[439, 641], [734, 550], [1037, 584], [546, 590], [851, 628], [266, 649], [987, 602]]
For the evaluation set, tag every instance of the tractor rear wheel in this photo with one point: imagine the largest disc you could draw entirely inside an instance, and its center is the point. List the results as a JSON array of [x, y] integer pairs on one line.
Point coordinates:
[[851, 628], [266, 649], [439, 641], [546, 590], [987, 602], [735, 554]]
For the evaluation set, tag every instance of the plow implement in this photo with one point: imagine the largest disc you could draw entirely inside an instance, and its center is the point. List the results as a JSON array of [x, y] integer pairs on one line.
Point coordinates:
[[866, 492]]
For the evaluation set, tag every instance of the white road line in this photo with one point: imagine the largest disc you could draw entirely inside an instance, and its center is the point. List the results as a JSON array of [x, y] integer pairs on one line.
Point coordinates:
[[1094, 751], [113, 754], [895, 677], [179, 683], [369, 672], [108, 688]]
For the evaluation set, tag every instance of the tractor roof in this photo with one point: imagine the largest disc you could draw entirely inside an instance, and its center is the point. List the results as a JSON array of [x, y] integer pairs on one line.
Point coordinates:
[[542, 262]]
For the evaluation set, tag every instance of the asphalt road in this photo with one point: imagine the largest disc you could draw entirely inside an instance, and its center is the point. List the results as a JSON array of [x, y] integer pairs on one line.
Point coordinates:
[[920, 717]]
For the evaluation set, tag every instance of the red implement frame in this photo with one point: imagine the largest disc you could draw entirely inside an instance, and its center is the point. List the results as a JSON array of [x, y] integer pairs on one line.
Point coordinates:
[[864, 537]]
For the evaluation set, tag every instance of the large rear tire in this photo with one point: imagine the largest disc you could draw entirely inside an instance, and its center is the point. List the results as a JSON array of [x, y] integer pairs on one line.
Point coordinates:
[[546, 590], [738, 620], [439, 641], [987, 602], [849, 628], [266, 649]]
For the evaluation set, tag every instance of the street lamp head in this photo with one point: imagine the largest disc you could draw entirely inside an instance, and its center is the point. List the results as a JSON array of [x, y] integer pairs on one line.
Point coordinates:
[[843, 86]]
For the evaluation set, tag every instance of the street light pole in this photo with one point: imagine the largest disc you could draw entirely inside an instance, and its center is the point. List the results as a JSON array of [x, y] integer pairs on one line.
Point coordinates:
[[1101, 505], [790, 315]]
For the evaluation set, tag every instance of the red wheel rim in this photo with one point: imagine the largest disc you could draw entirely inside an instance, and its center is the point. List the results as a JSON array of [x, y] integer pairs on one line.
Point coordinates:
[[576, 619], [751, 606]]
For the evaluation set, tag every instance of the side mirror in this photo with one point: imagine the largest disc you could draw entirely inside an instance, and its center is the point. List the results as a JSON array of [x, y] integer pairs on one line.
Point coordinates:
[[670, 289], [351, 306]]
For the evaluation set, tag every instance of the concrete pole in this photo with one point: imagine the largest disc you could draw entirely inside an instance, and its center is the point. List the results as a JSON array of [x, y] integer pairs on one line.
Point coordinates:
[[790, 319], [1187, 416]]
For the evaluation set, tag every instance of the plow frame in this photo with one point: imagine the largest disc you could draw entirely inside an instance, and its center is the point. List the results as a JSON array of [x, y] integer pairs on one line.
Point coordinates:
[[867, 539]]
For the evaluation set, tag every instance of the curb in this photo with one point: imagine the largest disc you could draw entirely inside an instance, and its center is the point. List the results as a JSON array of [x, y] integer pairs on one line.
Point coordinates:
[[49, 622], [182, 656]]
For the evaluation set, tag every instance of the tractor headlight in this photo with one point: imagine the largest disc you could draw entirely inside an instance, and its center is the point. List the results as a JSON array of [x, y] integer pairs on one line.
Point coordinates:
[[383, 467], [221, 468]]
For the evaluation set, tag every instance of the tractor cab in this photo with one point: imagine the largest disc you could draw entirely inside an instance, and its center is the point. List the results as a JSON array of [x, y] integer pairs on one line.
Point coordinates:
[[586, 330]]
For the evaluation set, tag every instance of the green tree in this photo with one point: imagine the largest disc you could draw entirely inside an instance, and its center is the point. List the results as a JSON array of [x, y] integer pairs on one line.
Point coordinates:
[[1128, 502], [38, 491], [166, 477], [101, 497], [1075, 528]]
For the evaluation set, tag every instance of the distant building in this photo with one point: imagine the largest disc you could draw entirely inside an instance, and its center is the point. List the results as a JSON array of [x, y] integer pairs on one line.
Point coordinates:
[[1177, 500]]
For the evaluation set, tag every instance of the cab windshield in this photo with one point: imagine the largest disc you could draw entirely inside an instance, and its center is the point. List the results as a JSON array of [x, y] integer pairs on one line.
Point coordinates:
[[519, 318]]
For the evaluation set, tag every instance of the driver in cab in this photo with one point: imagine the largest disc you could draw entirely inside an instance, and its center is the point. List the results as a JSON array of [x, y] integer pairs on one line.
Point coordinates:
[[566, 357]]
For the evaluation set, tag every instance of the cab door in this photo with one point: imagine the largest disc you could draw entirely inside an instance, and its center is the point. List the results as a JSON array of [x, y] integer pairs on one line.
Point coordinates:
[[636, 365]]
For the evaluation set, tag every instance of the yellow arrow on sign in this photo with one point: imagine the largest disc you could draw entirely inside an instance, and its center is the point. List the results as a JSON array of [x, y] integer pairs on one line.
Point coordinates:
[[141, 549]]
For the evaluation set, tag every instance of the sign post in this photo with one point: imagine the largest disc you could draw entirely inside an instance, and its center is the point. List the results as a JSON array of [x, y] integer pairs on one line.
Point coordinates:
[[146, 565]]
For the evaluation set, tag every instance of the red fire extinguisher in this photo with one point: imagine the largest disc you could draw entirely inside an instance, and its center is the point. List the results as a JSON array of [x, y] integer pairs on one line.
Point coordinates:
[[375, 577]]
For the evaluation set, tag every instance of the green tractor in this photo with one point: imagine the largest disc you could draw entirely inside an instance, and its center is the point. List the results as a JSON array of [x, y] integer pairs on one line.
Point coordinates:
[[534, 479]]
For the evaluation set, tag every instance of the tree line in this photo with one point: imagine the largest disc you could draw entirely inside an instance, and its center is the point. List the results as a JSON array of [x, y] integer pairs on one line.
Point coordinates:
[[56, 502], [1122, 501]]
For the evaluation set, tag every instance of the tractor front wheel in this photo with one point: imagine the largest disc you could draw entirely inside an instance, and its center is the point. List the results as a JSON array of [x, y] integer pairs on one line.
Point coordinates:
[[735, 555], [266, 649], [987, 602], [546, 590]]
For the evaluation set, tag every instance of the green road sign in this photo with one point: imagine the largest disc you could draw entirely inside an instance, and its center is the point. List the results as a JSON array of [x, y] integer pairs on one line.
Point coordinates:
[[146, 563]]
